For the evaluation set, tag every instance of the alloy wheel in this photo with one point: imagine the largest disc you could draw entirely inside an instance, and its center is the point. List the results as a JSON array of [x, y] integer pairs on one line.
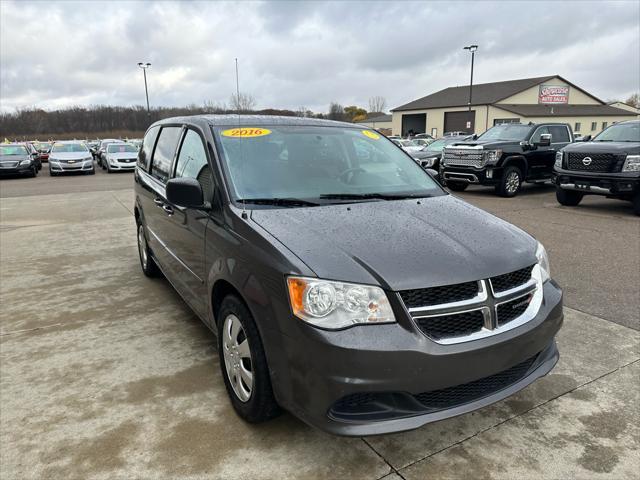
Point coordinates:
[[237, 358], [513, 182]]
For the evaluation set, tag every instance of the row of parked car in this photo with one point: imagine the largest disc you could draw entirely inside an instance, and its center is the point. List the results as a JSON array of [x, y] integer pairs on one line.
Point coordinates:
[[26, 158], [508, 155]]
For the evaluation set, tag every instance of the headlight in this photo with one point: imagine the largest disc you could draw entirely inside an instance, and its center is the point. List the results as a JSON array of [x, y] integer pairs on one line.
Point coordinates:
[[632, 164], [543, 261], [25, 162], [558, 162], [335, 305], [491, 157], [87, 159]]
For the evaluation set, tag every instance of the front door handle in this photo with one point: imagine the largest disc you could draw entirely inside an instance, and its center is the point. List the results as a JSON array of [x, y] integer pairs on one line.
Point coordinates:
[[158, 201], [167, 209]]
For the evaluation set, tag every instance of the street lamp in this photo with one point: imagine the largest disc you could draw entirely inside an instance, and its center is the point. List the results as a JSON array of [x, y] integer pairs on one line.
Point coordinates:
[[472, 49], [144, 67]]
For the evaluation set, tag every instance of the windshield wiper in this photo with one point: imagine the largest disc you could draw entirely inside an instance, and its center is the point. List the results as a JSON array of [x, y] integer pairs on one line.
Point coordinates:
[[283, 202], [367, 196]]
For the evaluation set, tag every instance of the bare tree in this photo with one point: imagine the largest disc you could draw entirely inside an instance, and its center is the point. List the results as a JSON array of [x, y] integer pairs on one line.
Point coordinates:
[[210, 106], [302, 111], [243, 102], [633, 100], [377, 104], [336, 111]]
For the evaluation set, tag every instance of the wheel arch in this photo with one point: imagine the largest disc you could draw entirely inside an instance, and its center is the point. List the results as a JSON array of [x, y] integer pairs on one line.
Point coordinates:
[[517, 161]]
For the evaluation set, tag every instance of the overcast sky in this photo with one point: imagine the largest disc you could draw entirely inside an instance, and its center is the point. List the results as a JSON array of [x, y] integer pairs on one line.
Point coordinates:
[[294, 54]]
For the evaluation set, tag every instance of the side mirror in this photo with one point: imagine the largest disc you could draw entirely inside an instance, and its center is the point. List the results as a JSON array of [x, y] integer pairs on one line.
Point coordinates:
[[185, 192], [545, 140], [586, 139], [475, 136]]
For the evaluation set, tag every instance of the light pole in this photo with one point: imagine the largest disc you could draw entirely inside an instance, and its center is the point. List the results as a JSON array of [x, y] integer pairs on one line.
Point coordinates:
[[472, 49], [144, 67]]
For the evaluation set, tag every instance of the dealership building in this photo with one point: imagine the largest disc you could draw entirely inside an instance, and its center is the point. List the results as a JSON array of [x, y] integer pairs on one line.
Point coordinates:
[[541, 99]]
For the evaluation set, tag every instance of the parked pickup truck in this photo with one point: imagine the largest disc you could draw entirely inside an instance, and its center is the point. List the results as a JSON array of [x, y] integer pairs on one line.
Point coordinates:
[[505, 156], [607, 165]]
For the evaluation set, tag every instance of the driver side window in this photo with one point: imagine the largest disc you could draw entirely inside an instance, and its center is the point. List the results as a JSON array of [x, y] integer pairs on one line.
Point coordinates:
[[192, 163], [538, 133]]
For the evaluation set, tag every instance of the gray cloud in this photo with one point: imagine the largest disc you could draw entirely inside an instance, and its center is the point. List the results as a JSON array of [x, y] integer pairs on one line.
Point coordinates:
[[305, 53]]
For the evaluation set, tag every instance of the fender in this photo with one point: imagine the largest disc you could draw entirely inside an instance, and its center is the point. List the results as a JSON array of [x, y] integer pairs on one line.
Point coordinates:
[[510, 160]]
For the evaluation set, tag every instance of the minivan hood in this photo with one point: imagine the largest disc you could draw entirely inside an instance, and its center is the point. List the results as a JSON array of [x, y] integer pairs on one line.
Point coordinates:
[[400, 244]]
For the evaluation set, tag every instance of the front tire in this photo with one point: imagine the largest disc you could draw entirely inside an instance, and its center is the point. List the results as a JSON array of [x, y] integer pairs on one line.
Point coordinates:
[[243, 363], [568, 198], [147, 263], [510, 183], [457, 186]]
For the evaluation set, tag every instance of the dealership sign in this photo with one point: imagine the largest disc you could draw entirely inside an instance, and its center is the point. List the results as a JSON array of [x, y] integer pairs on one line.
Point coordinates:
[[553, 95]]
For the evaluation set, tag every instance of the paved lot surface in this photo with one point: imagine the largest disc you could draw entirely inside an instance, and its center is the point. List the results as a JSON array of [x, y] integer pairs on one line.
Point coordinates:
[[107, 374]]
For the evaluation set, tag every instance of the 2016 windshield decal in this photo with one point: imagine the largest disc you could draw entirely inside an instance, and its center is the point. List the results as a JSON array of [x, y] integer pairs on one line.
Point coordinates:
[[370, 134], [247, 132]]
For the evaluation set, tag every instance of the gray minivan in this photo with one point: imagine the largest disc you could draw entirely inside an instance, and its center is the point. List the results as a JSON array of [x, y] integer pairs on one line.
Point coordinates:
[[345, 285]]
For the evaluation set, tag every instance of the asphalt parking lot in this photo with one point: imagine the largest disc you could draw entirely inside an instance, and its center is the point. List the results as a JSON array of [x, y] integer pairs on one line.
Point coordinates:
[[107, 374]]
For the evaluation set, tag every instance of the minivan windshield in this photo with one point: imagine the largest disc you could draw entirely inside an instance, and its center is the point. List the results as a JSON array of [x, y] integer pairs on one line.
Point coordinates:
[[318, 165], [620, 132], [506, 132]]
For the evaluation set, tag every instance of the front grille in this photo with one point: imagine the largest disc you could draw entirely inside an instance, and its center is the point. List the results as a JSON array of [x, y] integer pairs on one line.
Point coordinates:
[[463, 157], [452, 325], [511, 280], [468, 392], [511, 310], [600, 162], [425, 297]]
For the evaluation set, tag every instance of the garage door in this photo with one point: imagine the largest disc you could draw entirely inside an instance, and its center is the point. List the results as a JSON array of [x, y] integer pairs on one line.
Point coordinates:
[[459, 121], [414, 123]]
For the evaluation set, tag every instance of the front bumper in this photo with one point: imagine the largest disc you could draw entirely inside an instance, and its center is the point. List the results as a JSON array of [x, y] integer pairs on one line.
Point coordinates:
[[610, 184], [395, 365], [17, 170], [130, 166], [63, 167], [478, 176]]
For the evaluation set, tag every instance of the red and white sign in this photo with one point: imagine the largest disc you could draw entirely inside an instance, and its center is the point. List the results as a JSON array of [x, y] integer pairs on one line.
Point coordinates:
[[553, 95]]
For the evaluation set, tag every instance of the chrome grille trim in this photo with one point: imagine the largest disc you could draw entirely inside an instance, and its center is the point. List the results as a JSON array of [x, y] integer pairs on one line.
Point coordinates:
[[466, 156], [487, 302]]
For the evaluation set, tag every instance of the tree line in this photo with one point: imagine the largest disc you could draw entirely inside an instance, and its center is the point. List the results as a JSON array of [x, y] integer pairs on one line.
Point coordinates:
[[97, 120]]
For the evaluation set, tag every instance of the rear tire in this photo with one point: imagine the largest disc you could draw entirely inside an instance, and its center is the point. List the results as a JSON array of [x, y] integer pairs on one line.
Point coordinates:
[[510, 183], [568, 198], [147, 263], [636, 203], [242, 356], [457, 186]]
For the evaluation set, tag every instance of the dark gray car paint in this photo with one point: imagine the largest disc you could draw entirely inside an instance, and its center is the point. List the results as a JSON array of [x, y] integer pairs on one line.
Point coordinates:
[[396, 244]]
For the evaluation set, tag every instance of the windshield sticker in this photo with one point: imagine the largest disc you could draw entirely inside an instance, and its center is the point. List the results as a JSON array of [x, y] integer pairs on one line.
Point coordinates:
[[248, 132], [370, 134]]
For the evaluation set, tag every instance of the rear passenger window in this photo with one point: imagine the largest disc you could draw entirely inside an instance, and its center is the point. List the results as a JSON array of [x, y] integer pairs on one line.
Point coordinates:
[[147, 147], [192, 162], [560, 134], [165, 150]]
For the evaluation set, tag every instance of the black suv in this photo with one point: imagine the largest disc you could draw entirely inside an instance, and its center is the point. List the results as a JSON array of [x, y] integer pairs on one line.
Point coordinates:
[[504, 156], [301, 243], [607, 165]]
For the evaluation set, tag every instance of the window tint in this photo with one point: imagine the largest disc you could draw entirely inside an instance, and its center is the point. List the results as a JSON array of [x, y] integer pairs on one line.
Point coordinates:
[[192, 162], [165, 149], [560, 134], [147, 148]]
